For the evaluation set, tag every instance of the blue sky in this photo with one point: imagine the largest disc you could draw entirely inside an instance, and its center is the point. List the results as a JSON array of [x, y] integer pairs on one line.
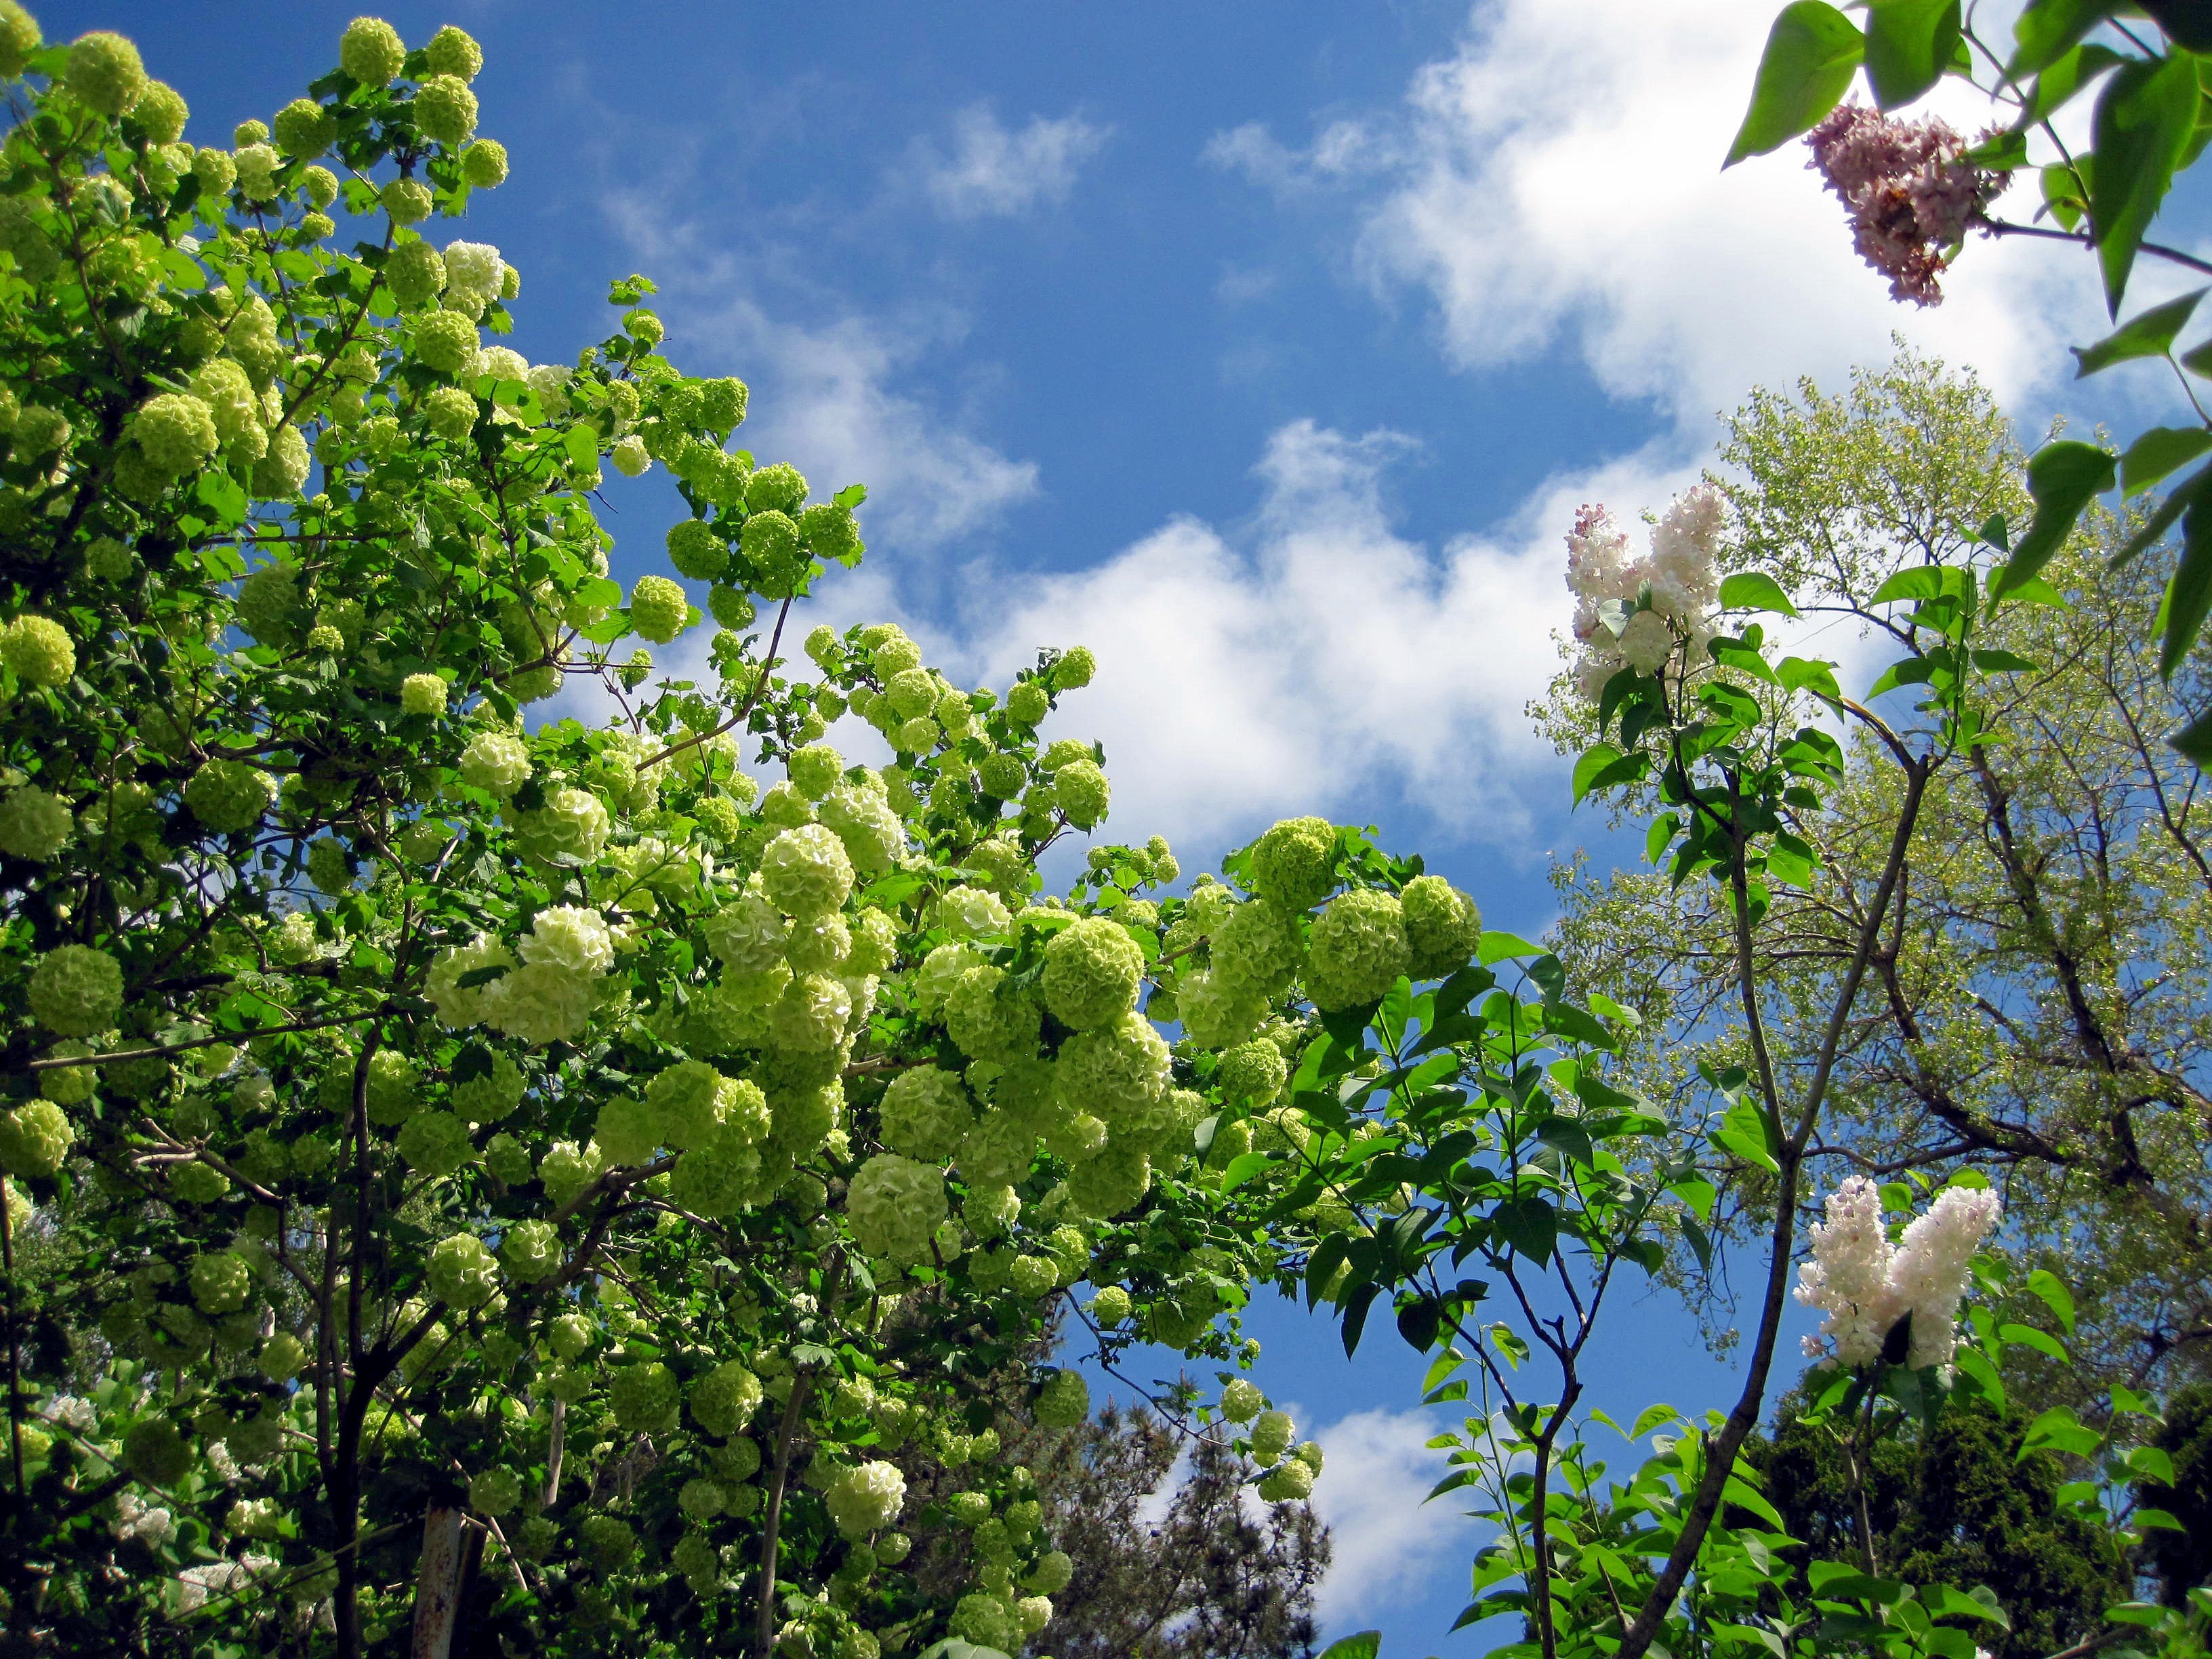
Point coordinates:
[[1265, 349]]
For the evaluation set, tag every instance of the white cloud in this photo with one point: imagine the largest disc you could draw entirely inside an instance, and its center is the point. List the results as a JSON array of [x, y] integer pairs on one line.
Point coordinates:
[[830, 398], [1376, 1470], [1307, 659], [1557, 180], [994, 173]]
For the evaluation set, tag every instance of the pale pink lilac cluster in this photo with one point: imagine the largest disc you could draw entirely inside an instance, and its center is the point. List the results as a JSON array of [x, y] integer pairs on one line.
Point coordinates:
[[1864, 1285], [1911, 192], [1682, 571]]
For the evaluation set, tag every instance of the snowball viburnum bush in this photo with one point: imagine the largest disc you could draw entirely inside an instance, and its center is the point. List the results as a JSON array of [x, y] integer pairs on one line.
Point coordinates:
[[523, 1085]]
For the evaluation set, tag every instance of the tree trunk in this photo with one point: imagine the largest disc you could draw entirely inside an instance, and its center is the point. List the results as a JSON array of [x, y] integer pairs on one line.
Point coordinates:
[[440, 1583]]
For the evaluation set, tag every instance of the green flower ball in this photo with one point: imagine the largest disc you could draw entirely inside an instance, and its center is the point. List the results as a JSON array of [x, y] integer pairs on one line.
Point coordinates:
[[724, 1399], [1080, 788], [436, 1143], [444, 341], [77, 991], [35, 825], [1442, 925], [176, 432], [1357, 951], [1063, 1401], [894, 1207], [644, 1397], [371, 51], [416, 273], [1293, 864], [452, 51], [1092, 972], [696, 551], [39, 651], [483, 163], [657, 609], [304, 128], [925, 1112], [220, 1282], [532, 1251], [104, 71], [805, 871], [451, 413], [445, 110], [35, 1139], [461, 1271]]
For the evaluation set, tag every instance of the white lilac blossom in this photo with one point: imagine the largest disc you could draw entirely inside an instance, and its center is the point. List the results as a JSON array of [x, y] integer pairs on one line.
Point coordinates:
[[1863, 1285], [1669, 595]]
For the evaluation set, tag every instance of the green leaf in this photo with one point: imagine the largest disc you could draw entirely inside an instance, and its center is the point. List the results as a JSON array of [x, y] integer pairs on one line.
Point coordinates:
[[2146, 334], [2026, 1336], [1921, 581], [2058, 85], [1651, 1418], [1754, 590], [2183, 496], [1497, 945], [2064, 477], [851, 496], [2064, 192], [1974, 1364], [1909, 45], [2051, 1291], [1365, 1645], [2189, 594], [2047, 31], [582, 444], [2004, 662], [2157, 452], [2145, 116], [1811, 54], [1594, 759], [2194, 741]]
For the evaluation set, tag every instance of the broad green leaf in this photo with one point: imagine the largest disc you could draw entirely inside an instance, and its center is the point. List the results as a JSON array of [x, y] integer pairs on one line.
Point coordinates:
[[1652, 1418], [1754, 590], [1909, 45], [1922, 581], [2189, 594], [1812, 53], [1594, 759], [2026, 1336], [2049, 29], [2004, 662], [2158, 453], [2058, 85], [1974, 1364], [2064, 477], [2146, 334], [1365, 1645], [1497, 945], [2145, 116], [851, 496], [2051, 1290]]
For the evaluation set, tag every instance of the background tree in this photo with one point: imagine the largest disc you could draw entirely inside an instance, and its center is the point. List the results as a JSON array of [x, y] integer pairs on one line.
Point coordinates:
[[2037, 1007], [1951, 1503], [1174, 1557]]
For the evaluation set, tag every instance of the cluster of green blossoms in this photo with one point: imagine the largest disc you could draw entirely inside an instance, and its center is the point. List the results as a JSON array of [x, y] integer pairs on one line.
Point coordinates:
[[373, 1053]]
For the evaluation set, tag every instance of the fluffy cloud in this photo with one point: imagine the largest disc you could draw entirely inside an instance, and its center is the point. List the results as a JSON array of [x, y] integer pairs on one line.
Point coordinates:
[[1388, 1543], [994, 173], [1556, 181], [1311, 656]]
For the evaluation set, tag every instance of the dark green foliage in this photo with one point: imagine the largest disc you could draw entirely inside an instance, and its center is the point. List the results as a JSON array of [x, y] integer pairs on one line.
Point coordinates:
[[2182, 1560], [1951, 1506]]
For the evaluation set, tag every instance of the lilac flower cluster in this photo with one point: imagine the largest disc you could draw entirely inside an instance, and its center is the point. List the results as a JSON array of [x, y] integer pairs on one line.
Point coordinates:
[[1864, 1284], [1911, 192]]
